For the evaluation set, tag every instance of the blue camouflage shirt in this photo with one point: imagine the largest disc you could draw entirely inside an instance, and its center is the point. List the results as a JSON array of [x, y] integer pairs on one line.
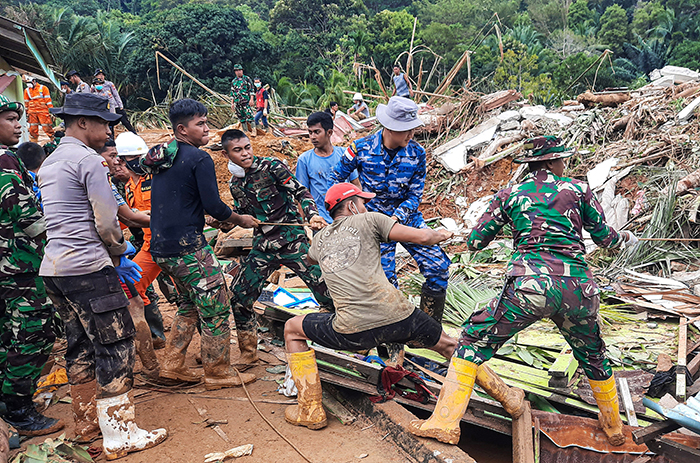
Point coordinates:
[[398, 182]]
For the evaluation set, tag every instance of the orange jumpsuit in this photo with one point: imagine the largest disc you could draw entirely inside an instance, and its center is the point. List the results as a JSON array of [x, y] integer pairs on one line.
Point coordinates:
[[138, 196], [37, 100]]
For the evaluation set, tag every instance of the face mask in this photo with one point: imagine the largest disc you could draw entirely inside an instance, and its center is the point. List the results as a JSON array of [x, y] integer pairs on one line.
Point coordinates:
[[30, 85], [63, 90], [98, 87], [236, 170], [135, 166], [257, 84]]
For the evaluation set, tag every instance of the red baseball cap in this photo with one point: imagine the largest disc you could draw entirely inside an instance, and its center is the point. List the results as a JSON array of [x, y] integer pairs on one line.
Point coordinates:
[[341, 191]]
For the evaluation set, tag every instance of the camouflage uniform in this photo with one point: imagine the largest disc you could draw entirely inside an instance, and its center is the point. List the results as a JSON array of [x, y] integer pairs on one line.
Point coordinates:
[[398, 183], [242, 89], [548, 276], [200, 281], [26, 328], [268, 192]]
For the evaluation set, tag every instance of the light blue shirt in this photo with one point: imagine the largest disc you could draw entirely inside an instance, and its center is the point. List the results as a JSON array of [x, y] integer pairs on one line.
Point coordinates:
[[314, 172]]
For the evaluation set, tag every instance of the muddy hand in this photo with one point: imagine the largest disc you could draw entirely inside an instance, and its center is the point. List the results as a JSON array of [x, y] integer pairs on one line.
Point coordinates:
[[317, 222]]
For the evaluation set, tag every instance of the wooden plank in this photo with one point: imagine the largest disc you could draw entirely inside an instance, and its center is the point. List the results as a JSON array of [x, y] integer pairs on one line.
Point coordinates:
[[564, 365], [643, 435], [674, 451], [337, 409], [523, 445], [682, 355], [627, 402], [694, 365]]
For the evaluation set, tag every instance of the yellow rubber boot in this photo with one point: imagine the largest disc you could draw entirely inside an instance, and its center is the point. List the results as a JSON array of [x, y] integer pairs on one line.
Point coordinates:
[[511, 398], [605, 394], [309, 412], [443, 424]]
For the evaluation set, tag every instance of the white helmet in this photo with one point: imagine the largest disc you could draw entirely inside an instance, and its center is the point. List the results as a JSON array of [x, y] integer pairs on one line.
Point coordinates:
[[357, 97], [130, 144]]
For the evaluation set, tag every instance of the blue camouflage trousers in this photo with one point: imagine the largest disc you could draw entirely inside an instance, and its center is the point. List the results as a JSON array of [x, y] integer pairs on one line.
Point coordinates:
[[432, 260], [571, 303]]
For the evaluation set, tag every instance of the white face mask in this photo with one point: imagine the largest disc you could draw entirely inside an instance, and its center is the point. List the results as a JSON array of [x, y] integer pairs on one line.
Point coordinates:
[[236, 170]]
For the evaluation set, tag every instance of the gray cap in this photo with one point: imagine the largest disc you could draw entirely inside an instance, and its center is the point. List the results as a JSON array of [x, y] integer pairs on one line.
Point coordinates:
[[399, 115]]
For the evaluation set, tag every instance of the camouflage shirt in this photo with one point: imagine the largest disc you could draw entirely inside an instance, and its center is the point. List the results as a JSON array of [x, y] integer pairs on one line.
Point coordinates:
[[397, 181], [242, 88], [269, 193], [548, 215], [21, 220]]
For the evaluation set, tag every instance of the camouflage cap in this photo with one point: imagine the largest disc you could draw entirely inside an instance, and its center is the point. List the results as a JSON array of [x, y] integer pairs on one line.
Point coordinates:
[[237, 67], [544, 148], [7, 105]]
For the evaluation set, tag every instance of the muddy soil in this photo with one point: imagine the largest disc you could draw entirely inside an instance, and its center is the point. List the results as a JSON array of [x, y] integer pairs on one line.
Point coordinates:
[[189, 439]]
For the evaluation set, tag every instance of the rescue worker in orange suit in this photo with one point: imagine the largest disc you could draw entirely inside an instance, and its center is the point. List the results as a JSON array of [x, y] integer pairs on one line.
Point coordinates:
[[37, 100]]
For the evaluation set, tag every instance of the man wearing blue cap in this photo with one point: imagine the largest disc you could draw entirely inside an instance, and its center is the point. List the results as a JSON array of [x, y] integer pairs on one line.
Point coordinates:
[[84, 261], [391, 165]]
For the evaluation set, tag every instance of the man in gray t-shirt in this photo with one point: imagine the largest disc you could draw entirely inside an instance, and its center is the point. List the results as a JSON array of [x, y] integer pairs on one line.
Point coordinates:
[[369, 309]]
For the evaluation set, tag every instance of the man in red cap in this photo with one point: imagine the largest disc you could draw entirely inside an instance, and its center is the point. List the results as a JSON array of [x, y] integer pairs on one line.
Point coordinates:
[[369, 310]]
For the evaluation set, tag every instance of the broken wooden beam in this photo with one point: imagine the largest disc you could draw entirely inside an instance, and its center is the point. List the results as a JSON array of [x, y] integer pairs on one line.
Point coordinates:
[[682, 355], [627, 402], [523, 444], [648, 433]]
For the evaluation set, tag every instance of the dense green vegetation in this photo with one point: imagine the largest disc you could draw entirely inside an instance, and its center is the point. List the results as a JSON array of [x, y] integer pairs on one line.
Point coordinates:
[[309, 49]]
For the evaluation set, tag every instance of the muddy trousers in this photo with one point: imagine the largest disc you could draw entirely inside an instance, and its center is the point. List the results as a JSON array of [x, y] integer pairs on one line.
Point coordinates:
[[26, 333], [149, 272], [244, 112], [571, 303], [266, 257], [199, 278], [36, 119], [99, 330]]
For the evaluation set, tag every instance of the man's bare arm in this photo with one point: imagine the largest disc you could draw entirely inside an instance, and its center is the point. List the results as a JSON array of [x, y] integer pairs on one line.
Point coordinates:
[[422, 236]]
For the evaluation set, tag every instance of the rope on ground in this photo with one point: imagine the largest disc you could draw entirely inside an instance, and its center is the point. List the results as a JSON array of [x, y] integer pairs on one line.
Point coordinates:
[[252, 402]]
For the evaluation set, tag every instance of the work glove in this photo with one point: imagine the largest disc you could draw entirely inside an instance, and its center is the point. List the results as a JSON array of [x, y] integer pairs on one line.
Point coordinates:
[[630, 239], [130, 250], [128, 270]]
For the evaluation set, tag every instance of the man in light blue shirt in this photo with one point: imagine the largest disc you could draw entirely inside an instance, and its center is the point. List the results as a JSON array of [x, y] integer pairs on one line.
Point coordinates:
[[315, 166]]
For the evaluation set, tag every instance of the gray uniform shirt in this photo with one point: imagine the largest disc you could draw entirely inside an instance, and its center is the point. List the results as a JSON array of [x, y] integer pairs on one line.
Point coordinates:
[[82, 87], [80, 210]]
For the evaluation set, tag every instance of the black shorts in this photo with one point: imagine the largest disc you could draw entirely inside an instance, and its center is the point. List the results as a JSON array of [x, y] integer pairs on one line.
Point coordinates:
[[418, 330]]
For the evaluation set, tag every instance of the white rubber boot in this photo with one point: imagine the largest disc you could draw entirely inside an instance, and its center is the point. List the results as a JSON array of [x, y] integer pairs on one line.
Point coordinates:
[[120, 434]]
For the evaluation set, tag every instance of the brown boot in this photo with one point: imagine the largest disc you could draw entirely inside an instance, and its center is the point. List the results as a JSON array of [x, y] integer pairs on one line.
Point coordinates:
[[309, 412], [87, 429], [173, 366], [143, 340], [216, 360], [248, 345], [251, 129], [512, 398]]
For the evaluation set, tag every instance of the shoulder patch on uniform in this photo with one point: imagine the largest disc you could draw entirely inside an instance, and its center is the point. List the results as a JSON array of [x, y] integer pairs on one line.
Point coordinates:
[[351, 152], [104, 163]]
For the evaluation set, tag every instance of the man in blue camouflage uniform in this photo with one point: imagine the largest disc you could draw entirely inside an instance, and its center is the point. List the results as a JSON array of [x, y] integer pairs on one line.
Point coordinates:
[[391, 165], [547, 278], [267, 190], [26, 334]]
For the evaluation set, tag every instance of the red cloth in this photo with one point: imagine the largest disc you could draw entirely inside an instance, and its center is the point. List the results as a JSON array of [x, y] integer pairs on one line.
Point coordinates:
[[388, 388]]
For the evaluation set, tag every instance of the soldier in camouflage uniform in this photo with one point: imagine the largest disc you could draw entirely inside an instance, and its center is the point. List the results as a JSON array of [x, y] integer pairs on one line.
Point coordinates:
[[267, 190], [26, 334], [243, 95], [547, 278]]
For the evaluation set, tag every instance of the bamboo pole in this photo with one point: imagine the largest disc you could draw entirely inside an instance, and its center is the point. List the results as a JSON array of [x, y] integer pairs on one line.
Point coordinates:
[[420, 76], [378, 78], [196, 81], [410, 48], [450, 76]]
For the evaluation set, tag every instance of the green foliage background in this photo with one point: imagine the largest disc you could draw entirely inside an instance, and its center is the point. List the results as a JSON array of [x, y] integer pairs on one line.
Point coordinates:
[[306, 49]]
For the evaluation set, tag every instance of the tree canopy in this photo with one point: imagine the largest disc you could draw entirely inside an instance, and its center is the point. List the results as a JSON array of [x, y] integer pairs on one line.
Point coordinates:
[[312, 50]]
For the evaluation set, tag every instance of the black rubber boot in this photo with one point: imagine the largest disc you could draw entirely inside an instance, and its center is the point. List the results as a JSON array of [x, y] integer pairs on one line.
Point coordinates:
[[433, 302], [22, 415]]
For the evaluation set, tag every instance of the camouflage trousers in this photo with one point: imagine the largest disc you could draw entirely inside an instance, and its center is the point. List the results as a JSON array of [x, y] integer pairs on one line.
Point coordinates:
[[244, 112], [26, 333], [432, 260], [266, 257], [99, 330], [571, 303], [200, 281]]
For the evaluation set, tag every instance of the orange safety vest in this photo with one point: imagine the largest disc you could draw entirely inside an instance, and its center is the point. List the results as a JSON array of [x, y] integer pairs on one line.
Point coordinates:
[[138, 196], [37, 99]]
